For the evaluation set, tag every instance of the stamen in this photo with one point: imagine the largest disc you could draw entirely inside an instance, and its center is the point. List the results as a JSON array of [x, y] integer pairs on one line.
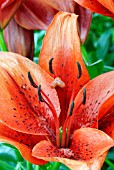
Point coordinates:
[[69, 124], [50, 66], [84, 96], [79, 70], [57, 82], [39, 94], [66, 124], [50, 105], [31, 80], [71, 108]]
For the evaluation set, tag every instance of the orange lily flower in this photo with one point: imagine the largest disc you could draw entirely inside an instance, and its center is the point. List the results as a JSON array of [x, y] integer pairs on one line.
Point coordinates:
[[36, 101], [37, 14], [99, 6]]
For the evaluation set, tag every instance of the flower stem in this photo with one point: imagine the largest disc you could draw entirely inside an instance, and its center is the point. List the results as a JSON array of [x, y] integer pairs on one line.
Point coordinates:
[[108, 162], [2, 42], [29, 166], [55, 166]]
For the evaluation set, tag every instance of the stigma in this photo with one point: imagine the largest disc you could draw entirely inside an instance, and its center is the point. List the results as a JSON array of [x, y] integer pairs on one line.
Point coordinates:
[[57, 82]]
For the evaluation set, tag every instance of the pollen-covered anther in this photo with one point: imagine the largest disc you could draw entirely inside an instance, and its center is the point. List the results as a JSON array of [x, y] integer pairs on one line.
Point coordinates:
[[39, 94], [50, 66], [57, 82], [79, 70], [31, 80], [71, 108], [84, 96]]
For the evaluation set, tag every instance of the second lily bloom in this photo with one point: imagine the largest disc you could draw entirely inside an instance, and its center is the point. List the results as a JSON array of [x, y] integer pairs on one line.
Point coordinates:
[[21, 16]]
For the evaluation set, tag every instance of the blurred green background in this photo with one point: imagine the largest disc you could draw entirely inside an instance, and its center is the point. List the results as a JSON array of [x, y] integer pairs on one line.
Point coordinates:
[[98, 54]]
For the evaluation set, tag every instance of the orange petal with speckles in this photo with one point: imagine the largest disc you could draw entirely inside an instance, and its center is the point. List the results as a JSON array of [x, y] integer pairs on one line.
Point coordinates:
[[86, 151], [52, 154], [19, 99], [91, 146], [106, 117], [64, 48], [99, 99], [23, 142], [98, 6]]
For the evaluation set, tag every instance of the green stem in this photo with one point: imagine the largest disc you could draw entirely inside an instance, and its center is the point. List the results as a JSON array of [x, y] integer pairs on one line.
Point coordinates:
[[55, 166], [2, 42], [29, 166], [108, 162]]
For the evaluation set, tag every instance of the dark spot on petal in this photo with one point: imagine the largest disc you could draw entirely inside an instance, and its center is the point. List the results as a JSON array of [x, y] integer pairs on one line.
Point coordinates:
[[14, 109]]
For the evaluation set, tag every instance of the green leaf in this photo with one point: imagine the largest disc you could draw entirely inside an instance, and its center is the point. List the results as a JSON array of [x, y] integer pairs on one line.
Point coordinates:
[[38, 37], [9, 154], [104, 44], [85, 54], [95, 69], [108, 68], [5, 166], [111, 154], [63, 167], [2, 42], [108, 162]]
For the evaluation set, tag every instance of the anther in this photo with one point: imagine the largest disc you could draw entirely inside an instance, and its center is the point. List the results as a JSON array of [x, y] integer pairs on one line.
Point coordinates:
[[84, 96], [79, 70], [71, 108], [50, 66], [31, 80], [39, 94]]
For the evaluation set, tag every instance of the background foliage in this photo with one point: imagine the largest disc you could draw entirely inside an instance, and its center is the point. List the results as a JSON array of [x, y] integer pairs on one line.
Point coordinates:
[[98, 54]]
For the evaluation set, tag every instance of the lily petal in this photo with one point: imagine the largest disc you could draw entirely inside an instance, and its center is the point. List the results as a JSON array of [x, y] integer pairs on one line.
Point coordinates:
[[64, 49], [22, 44], [7, 10], [85, 17], [19, 100], [98, 91], [106, 117], [62, 5], [91, 145], [38, 14], [52, 154], [85, 151], [43, 12], [23, 142], [97, 7], [109, 4]]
